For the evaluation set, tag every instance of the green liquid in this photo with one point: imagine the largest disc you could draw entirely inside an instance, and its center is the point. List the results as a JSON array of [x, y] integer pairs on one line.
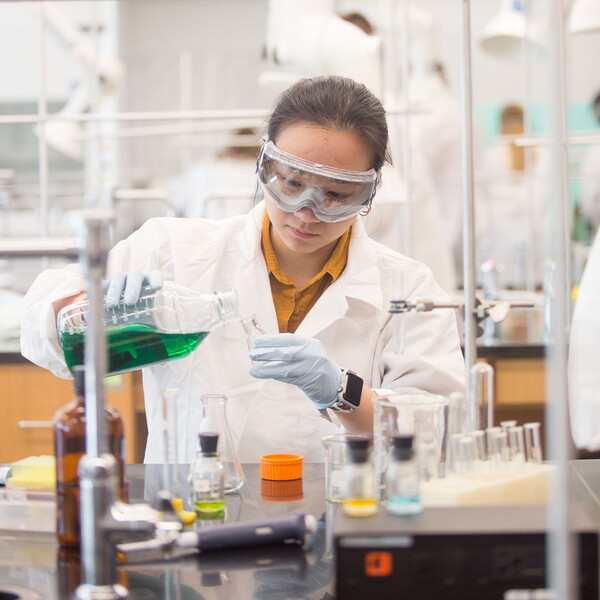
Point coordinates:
[[208, 509], [133, 346]]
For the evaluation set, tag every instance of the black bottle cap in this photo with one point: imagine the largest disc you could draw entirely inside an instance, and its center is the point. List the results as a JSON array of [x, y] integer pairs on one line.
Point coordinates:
[[79, 380], [358, 448], [208, 442], [402, 447], [163, 502]]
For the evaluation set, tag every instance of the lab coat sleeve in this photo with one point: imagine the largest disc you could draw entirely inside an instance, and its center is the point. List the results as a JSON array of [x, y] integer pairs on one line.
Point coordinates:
[[39, 336], [420, 351], [584, 357]]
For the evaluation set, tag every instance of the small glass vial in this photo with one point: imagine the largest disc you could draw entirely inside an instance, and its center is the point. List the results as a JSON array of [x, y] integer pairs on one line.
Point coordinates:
[[359, 490], [402, 478], [252, 329], [207, 477]]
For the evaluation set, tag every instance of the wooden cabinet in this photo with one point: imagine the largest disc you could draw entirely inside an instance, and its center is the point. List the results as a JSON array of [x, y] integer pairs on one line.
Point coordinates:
[[520, 389], [520, 381], [30, 396]]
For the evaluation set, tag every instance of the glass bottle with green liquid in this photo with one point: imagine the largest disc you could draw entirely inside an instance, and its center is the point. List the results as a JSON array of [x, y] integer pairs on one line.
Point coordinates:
[[162, 325], [207, 478]]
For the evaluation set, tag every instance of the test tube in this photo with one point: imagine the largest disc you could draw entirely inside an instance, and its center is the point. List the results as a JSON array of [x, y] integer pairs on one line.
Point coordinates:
[[468, 453], [498, 446], [429, 467], [482, 405], [479, 437], [533, 443], [489, 432], [506, 425], [456, 465], [516, 442], [170, 437]]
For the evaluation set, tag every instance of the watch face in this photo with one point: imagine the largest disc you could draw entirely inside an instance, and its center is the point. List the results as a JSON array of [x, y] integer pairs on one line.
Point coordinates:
[[353, 391]]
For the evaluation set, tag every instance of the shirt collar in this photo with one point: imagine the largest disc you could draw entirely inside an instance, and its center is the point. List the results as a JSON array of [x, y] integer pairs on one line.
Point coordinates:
[[334, 266]]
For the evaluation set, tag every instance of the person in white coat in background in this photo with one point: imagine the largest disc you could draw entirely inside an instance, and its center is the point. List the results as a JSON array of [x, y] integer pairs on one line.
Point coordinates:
[[303, 264], [512, 207], [584, 350], [589, 200]]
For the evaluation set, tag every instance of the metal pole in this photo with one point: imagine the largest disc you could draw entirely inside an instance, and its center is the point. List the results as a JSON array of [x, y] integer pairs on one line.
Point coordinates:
[[470, 341], [93, 261], [561, 553], [42, 144], [407, 245]]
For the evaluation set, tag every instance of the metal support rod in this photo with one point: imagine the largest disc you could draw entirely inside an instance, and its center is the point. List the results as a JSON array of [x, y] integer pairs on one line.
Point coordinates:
[[42, 142], [93, 260], [407, 243], [470, 336], [561, 555]]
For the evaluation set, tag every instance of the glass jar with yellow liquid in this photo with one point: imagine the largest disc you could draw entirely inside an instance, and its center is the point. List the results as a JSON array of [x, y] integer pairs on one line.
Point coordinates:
[[359, 489], [162, 325]]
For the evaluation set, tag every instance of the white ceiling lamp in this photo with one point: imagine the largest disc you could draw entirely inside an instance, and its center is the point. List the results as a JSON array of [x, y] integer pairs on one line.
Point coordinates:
[[504, 35], [584, 17]]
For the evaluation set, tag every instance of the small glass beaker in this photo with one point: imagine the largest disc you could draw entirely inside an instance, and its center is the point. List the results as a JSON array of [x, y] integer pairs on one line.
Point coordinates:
[[422, 415], [335, 459], [214, 418]]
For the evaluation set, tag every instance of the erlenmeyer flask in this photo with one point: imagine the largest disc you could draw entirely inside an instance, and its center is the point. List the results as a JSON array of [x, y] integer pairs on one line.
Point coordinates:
[[214, 419]]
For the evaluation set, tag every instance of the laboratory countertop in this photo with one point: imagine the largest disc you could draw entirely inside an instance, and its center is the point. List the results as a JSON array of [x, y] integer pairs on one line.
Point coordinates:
[[32, 564]]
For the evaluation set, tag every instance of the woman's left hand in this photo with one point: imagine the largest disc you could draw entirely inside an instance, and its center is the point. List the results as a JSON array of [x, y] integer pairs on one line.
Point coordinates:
[[299, 360]]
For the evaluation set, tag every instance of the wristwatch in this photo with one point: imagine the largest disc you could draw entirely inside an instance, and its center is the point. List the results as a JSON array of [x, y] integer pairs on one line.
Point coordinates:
[[349, 393]]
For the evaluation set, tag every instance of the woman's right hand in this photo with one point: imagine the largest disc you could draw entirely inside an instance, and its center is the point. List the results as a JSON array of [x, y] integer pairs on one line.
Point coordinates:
[[129, 285]]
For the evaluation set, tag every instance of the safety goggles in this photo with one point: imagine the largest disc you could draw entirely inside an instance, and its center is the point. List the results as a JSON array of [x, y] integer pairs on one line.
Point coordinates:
[[332, 194]]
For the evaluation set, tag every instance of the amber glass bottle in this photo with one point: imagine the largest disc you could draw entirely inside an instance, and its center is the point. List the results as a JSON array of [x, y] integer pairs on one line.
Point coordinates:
[[69, 447]]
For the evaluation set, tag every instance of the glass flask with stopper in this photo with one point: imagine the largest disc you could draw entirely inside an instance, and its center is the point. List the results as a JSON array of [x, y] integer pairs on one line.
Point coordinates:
[[162, 325], [214, 419]]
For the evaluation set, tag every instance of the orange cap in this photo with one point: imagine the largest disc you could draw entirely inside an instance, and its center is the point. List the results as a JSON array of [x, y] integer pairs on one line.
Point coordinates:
[[281, 467]]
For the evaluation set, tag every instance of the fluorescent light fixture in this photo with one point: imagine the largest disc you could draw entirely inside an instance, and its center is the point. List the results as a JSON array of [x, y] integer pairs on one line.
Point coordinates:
[[584, 17], [504, 35]]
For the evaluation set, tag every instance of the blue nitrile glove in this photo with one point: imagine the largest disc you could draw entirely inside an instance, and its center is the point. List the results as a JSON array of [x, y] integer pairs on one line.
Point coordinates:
[[299, 360], [129, 285]]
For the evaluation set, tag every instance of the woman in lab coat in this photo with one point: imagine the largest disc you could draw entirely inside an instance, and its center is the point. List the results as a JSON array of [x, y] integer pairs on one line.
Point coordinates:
[[303, 264]]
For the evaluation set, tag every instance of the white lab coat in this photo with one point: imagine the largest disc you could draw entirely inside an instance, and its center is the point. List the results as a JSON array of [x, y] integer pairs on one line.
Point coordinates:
[[266, 416], [511, 217], [584, 357], [589, 200]]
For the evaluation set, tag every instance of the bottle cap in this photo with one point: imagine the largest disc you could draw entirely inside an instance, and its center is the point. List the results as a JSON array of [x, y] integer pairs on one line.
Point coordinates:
[[358, 448], [402, 441], [208, 442], [79, 380], [402, 446], [281, 467]]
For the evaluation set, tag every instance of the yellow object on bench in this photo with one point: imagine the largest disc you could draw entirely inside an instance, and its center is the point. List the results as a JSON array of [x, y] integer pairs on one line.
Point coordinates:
[[33, 473]]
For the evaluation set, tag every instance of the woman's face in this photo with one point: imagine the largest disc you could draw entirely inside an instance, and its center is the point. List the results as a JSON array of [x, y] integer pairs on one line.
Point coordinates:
[[301, 232]]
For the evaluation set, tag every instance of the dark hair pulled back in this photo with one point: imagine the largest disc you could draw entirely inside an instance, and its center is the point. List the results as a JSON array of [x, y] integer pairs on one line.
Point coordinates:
[[337, 103]]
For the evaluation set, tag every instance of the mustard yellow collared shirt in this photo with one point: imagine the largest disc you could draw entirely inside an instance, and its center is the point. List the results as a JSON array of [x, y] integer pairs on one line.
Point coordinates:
[[292, 304]]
